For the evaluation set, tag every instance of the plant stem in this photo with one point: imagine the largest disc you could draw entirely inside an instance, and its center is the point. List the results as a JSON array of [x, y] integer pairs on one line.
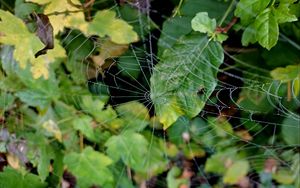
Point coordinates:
[[289, 93], [177, 11], [227, 13]]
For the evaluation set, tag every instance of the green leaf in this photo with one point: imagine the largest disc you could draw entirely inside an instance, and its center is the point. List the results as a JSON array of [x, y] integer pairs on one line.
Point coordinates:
[[216, 163], [214, 8], [185, 78], [173, 179], [202, 23], [135, 114], [236, 171], [40, 152], [247, 10], [283, 13], [286, 74], [106, 23], [130, 147], [11, 178], [90, 167], [290, 129], [267, 30], [249, 35], [95, 107], [173, 28], [284, 176], [84, 125], [34, 98]]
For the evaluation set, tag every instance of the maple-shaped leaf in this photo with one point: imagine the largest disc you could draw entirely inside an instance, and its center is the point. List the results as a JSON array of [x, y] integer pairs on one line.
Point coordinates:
[[60, 16], [105, 23], [90, 167], [14, 32]]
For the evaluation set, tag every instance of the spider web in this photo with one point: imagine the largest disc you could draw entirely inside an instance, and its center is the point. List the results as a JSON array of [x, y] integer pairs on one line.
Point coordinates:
[[130, 87]]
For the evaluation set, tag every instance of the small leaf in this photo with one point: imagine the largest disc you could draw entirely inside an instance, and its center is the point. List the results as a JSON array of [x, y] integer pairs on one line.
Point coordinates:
[[52, 129], [236, 172], [90, 167], [84, 125], [286, 74], [105, 23], [202, 23], [249, 35], [267, 30], [283, 14]]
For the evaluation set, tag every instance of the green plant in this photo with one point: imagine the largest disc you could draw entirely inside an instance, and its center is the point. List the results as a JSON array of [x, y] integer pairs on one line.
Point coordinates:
[[92, 96]]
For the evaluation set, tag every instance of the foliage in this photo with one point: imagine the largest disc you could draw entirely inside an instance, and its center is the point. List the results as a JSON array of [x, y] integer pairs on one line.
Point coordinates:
[[178, 93]]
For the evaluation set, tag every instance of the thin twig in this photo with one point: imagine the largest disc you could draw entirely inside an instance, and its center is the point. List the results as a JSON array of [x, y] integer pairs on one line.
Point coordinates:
[[227, 13], [177, 10]]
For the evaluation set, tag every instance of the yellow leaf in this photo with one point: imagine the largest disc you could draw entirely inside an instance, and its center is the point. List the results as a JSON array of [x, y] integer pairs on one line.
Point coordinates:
[[62, 19], [13, 161], [52, 128], [15, 33], [105, 23]]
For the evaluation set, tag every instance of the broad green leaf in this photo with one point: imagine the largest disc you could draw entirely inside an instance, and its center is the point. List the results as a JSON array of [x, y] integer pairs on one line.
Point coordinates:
[[135, 114], [283, 54], [247, 10], [105, 23], [11, 178], [214, 8], [185, 78], [267, 30], [202, 23], [89, 167], [131, 148], [173, 28], [287, 73], [290, 129], [235, 172]]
